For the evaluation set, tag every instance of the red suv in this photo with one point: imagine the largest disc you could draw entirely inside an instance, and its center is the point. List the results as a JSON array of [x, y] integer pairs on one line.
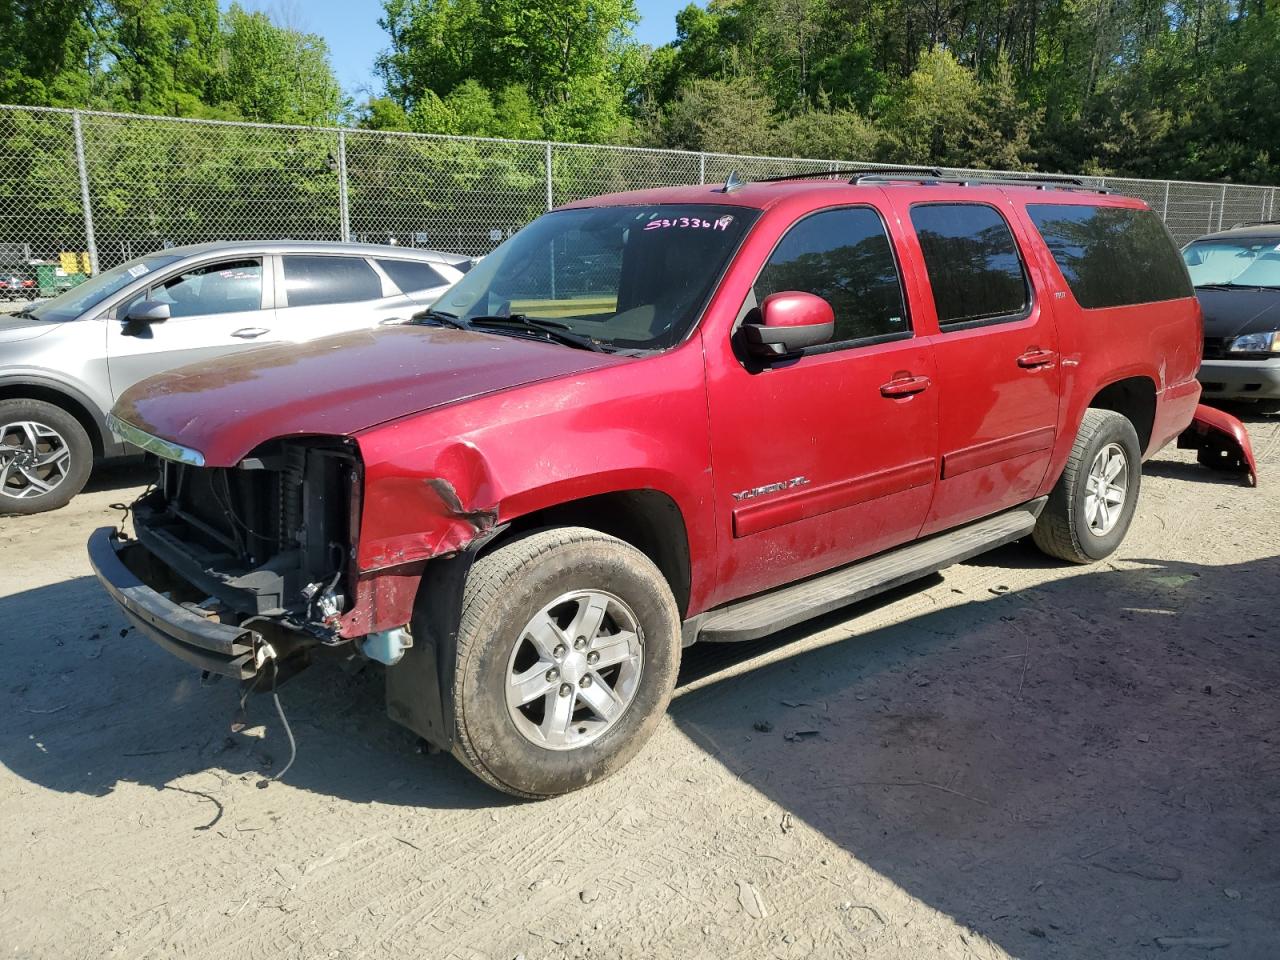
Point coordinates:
[[648, 419]]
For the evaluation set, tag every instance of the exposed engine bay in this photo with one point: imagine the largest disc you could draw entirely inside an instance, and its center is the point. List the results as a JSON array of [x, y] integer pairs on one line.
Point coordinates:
[[270, 538]]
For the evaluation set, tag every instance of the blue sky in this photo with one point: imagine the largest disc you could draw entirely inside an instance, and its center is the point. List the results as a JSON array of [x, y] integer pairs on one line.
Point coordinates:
[[350, 27]]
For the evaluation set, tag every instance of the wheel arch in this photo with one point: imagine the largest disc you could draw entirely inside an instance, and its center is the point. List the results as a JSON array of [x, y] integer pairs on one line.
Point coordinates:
[[650, 520], [68, 399], [1133, 398]]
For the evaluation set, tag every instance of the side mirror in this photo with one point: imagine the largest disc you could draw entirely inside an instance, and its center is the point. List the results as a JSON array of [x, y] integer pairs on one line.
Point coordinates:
[[147, 311], [789, 322]]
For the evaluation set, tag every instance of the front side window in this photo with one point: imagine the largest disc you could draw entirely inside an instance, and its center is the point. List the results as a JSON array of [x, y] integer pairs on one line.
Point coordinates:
[[843, 256], [1250, 262], [1111, 256], [630, 277], [314, 281], [227, 287], [972, 262]]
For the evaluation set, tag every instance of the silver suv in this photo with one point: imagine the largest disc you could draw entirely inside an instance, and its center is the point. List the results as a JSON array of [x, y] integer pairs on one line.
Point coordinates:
[[63, 362]]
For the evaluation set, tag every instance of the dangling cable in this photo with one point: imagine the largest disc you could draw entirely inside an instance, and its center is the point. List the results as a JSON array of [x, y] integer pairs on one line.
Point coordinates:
[[293, 745]]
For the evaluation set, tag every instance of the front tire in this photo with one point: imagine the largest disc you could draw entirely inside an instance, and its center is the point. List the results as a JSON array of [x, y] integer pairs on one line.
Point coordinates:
[[1092, 505], [45, 456], [568, 647]]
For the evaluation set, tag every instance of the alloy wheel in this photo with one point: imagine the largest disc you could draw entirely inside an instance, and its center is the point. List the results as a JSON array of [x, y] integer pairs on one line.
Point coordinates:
[[34, 459], [1105, 489], [574, 670]]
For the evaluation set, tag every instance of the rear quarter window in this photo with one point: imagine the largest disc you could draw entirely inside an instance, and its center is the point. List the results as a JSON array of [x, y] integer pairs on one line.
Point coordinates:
[[1112, 256], [412, 275]]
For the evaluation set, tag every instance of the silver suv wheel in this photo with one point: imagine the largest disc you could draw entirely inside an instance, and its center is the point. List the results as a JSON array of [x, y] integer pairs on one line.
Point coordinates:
[[1106, 486], [34, 459], [574, 670]]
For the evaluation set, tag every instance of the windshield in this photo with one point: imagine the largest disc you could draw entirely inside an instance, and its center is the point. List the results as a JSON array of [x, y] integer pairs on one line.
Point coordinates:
[[70, 304], [633, 277], [1237, 263]]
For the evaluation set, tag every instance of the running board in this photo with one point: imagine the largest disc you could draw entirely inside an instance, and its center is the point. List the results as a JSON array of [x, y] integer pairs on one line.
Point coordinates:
[[786, 606]]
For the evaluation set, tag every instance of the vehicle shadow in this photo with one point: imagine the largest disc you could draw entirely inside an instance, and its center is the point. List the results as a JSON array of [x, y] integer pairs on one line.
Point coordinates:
[[120, 474], [119, 709], [1072, 769], [1069, 769]]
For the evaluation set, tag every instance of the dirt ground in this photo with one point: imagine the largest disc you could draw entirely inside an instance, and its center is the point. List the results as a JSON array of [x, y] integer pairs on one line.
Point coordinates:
[[1017, 758]]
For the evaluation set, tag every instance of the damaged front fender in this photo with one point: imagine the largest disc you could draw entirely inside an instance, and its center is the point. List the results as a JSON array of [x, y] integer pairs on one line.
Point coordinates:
[[1221, 442], [433, 510]]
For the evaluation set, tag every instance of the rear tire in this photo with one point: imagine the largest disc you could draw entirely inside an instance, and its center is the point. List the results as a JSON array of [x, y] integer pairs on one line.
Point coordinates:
[[1089, 512], [41, 446], [568, 647]]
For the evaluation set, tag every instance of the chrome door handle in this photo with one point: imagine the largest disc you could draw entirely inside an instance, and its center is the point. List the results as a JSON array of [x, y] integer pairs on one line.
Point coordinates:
[[1037, 358], [248, 333], [905, 387]]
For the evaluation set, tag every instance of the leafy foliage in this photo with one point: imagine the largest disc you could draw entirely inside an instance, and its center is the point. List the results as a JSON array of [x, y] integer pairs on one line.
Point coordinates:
[[175, 57], [1177, 88]]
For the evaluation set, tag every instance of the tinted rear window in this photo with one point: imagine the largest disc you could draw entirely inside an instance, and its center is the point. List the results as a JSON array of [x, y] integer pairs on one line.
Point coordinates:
[[972, 262], [1112, 256]]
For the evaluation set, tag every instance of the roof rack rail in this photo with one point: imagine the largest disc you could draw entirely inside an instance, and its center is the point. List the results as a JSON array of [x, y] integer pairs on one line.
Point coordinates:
[[995, 177], [859, 174], [803, 176], [1254, 223]]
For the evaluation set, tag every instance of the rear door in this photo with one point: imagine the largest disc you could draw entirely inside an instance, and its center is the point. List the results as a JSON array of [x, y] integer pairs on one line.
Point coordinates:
[[323, 294], [215, 308], [996, 350], [830, 456]]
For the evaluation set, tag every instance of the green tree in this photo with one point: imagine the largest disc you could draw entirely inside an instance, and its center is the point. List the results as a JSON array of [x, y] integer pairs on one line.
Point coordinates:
[[936, 114], [277, 75], [49, 52], [827, 134], [719, 116], [572, 57], [164, 54]]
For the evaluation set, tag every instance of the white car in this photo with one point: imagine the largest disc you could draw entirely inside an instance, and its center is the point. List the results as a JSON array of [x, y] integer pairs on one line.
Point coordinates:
[[64, 361]]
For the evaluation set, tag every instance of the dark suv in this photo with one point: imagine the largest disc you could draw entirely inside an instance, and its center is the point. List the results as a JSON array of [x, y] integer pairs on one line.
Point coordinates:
[[1236, 274], [649, 419]]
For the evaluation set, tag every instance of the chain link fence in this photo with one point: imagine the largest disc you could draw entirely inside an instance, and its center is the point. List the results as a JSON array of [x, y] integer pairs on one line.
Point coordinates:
[[82, 191]]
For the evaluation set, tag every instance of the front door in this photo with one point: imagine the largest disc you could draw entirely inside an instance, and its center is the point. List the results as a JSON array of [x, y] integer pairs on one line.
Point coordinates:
[[996, 351], [824, 458], [214, 309]]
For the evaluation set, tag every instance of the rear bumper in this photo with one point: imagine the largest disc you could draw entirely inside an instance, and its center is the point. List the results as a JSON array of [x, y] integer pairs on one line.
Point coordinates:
[[1241, 379], [216, 647]]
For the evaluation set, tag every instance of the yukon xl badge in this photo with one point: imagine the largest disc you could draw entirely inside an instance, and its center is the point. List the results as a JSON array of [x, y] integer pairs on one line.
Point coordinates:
[[770, 488]]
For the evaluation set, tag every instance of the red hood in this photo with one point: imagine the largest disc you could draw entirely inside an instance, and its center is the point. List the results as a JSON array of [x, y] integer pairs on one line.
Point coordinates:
[[336, 385]]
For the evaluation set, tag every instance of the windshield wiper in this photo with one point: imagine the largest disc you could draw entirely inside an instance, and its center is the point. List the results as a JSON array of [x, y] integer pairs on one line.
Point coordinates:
[[1235, 286], [24, 313], [440, 317], [553, 329]]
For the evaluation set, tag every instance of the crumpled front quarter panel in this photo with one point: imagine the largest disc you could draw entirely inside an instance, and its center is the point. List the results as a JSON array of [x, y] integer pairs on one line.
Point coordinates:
[[437, 480]]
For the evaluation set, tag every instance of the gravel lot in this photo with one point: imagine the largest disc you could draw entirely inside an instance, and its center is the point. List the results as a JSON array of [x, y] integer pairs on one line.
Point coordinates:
[[1014, 759]]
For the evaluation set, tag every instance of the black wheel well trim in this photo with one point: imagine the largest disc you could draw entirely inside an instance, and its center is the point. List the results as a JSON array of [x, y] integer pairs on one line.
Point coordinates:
[[67, 398], [1133, 398], [648, 519]]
